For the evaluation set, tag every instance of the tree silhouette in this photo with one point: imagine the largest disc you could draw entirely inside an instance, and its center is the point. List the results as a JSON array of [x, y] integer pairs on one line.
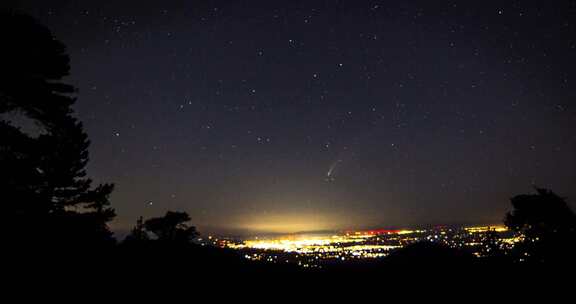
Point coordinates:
[[45, 192], [138, 233], [547, 224], [172, 227]]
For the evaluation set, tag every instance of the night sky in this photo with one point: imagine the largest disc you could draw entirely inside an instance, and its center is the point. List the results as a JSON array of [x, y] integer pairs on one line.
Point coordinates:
[[282, 116]]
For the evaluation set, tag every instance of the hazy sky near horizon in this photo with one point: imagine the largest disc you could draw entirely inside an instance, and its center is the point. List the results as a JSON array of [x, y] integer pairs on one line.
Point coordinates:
[[306, 115]]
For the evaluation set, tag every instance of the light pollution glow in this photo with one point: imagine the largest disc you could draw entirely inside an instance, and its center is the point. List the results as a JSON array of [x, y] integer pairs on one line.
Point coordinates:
[[293, 223]]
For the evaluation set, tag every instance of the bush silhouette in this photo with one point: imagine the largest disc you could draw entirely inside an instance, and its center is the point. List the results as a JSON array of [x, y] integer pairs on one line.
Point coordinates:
[[172, 227]]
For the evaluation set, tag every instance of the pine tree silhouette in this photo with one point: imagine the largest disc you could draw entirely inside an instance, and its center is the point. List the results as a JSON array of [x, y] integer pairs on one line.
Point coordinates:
[[45, 192]]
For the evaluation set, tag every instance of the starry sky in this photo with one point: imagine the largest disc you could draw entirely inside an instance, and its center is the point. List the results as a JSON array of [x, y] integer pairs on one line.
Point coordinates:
[[283, 116]]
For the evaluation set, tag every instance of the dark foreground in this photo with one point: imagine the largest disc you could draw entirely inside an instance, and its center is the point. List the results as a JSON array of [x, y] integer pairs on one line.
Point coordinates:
[[161, 263]]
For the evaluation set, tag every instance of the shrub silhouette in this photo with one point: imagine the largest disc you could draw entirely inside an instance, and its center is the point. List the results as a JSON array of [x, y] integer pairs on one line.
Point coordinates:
[[172, 227]]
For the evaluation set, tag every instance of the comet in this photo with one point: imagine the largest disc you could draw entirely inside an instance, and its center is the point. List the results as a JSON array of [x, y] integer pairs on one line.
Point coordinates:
[[332, 171]]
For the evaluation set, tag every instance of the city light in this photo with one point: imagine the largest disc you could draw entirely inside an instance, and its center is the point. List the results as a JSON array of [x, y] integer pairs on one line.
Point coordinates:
[[483, 229], [312, 250]]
